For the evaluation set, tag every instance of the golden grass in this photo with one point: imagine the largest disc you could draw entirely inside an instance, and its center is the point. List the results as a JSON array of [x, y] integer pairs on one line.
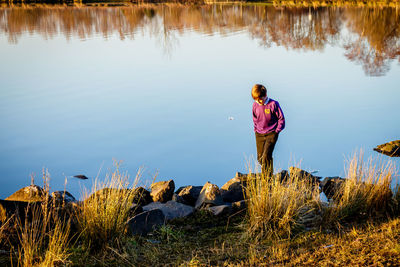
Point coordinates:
[[375, 244], [273, 206], [43, 238], [366, 192], [103, 214]]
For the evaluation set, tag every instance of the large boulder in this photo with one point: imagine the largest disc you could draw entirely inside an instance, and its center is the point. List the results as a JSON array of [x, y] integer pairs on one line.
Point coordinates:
[[146, 222], [142, 196], [210, 195], [62, 197], [171, 209], [301, 174], [331, 186], [32, 193], [162, 191], [232, 190], [391, 149], [188, 194]]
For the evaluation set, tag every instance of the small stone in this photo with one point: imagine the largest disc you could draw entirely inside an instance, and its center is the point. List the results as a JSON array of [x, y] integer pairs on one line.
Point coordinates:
[[210, 195], [220, 210], [142, 196], [146, 222], [232, 191], [62, 197], [301, 174], [134, 210], [162, 191], [331, 186], [171, 209], [190, 194]]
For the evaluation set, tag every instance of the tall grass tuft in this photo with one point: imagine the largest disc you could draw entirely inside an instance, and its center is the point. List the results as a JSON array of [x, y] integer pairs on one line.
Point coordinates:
[[43, 235], [367, 191], [43, 238], [103, 214], [274, 206]]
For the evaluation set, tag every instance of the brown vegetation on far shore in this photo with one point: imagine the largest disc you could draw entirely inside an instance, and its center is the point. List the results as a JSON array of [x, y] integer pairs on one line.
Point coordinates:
[[373, 41]]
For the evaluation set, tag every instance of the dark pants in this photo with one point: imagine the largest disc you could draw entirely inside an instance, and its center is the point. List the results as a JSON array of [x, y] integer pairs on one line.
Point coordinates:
[[265, 147]]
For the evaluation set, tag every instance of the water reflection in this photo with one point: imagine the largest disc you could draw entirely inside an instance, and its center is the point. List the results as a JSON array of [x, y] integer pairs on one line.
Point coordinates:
[[369, 36]]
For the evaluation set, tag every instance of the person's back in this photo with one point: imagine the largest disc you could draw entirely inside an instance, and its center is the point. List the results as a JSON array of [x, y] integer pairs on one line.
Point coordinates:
[[269, 121]]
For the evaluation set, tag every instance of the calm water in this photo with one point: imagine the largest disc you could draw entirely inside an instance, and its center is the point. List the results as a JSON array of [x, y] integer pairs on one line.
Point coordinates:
[[154, 86]]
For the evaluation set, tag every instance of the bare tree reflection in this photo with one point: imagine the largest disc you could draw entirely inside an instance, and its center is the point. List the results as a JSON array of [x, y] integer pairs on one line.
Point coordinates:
[[369, 36], [375, 40]]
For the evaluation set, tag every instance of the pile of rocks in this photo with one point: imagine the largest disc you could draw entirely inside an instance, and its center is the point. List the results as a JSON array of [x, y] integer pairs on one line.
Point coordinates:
[[167, 204], [151, 208]]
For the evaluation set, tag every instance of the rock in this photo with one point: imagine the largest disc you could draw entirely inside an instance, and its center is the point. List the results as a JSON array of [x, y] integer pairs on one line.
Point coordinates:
[[10, 207], [391, 149], [331, 185], [301, 174], [134, 210], [309, 217], [239, 175], [220, 210], [171, 209], [178, 199], [62, 197], [146, 222], [19, 209], [189, 194], [142, 196], [232, 191], [239, 205], [162, 191], [282, 176], [32, 193], [210, 195]]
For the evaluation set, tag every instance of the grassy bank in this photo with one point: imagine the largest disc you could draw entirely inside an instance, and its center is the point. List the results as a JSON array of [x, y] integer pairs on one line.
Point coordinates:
[[285, 223]]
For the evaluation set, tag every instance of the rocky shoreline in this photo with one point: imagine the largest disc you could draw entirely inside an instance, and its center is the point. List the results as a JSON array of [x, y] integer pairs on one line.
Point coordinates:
[[160, 203]]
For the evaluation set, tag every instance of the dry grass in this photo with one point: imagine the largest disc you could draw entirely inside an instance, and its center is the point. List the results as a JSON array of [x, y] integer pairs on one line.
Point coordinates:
[[375, 244], [103, 214], [274, 206], [43, 235], [43, 238], [366, 193]]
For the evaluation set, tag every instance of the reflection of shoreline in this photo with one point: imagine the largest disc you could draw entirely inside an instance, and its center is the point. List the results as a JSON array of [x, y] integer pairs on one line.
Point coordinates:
[[373, 41], [276, 3]]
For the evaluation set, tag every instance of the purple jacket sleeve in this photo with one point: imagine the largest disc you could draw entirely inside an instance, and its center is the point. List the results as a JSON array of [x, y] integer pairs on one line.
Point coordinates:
[[254, 115], [281, 119]]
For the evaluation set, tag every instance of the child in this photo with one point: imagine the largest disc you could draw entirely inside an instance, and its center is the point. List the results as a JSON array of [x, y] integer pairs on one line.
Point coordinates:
[[268, 123]]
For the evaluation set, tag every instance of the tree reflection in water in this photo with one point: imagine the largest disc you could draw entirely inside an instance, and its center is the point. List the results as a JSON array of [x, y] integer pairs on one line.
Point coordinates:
[[370, 36]]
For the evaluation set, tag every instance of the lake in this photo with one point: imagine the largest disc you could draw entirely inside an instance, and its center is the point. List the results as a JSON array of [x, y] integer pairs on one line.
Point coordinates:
[[167, 87]]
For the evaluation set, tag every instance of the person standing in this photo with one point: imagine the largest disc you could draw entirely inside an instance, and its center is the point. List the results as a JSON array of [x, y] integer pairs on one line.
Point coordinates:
[[269, 121]]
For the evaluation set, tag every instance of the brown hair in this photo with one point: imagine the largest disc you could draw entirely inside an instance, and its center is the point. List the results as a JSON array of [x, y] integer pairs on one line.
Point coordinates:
[[258, 91]]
